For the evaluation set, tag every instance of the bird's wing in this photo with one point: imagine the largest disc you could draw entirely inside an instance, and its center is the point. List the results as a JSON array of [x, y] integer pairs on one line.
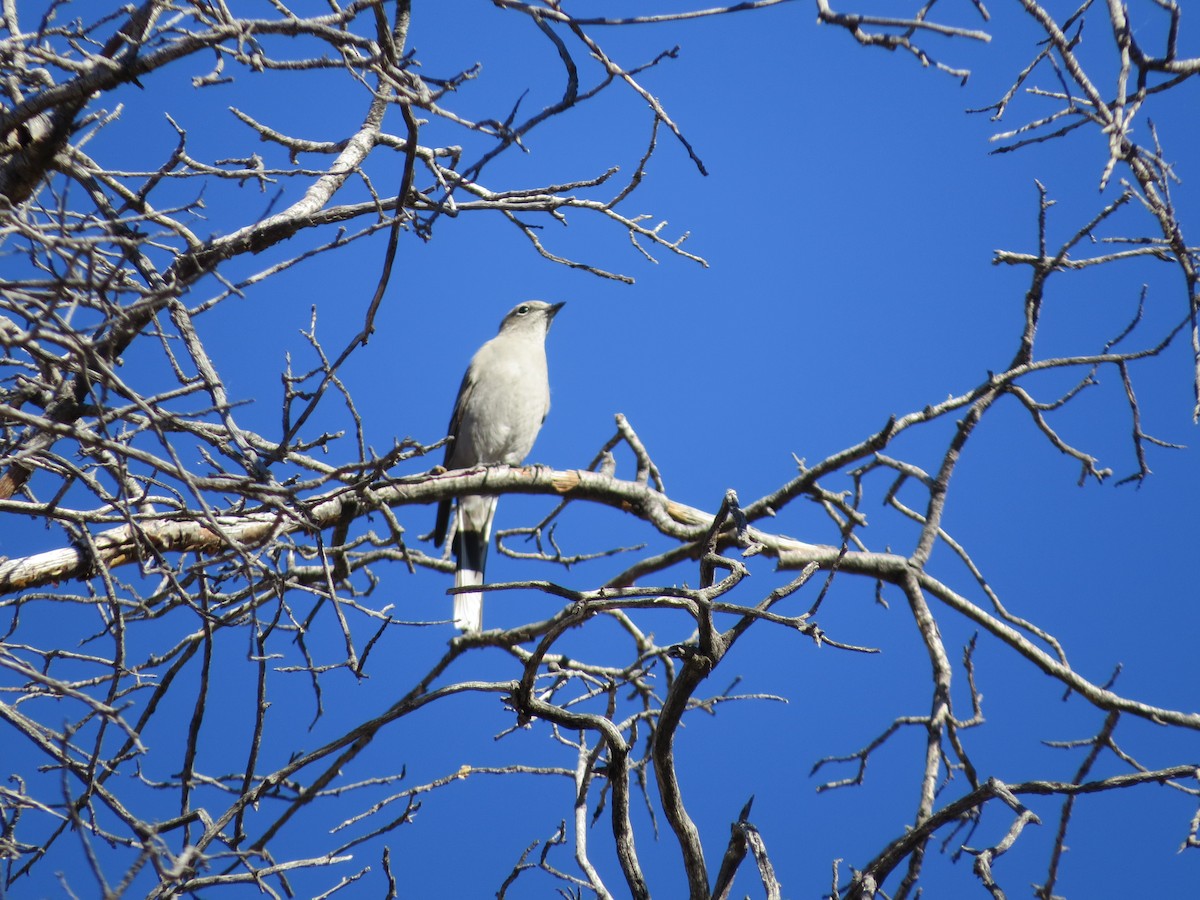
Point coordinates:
[[442, 526]]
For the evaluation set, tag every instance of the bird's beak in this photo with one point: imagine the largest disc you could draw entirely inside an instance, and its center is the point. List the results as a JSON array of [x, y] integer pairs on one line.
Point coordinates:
[[554, 308]]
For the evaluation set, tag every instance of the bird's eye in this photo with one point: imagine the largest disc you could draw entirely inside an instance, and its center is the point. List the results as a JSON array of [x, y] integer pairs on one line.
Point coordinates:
[[522, 310]]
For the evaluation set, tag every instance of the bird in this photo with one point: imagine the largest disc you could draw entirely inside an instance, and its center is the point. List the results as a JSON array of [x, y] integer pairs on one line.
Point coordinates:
[[503, 400]]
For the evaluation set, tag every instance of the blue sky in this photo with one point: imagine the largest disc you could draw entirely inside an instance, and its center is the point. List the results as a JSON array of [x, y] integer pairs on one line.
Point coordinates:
[[849, 219]]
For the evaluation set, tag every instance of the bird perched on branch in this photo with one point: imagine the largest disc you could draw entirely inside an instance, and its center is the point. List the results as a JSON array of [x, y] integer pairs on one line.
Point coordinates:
[[501, 405]]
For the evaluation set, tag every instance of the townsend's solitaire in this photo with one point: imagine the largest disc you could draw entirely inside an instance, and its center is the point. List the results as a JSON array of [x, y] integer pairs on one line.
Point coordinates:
[[501, 405]]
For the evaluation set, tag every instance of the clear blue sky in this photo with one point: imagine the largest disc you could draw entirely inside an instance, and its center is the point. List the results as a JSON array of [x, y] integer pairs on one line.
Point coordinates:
[[849, 220]]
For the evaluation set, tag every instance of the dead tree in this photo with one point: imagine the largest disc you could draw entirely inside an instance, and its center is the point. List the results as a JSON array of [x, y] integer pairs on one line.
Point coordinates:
[[183, 572]]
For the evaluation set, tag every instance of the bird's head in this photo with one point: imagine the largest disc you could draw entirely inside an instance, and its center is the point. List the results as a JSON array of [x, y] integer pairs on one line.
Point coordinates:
[[530, 317]]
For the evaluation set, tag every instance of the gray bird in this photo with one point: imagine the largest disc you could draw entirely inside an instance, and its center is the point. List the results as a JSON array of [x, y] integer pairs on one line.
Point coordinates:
[[501, 405]]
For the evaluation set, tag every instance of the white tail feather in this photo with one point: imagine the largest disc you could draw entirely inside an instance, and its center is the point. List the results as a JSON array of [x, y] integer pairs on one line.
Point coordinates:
[[468, 606], [474, 533]]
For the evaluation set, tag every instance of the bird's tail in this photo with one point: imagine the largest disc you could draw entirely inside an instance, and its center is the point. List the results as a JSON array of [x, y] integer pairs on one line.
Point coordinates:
[[474, 536], [468, 606]]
